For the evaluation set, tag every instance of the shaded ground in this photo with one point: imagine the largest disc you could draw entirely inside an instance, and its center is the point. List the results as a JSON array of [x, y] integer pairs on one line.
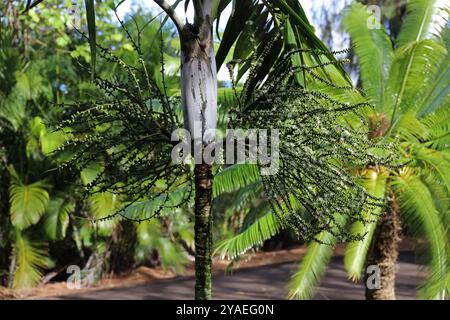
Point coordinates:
[[257, 282]]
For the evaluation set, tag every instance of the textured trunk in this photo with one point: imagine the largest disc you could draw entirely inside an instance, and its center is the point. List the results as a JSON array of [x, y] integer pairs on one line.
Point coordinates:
[[199, 79], [384, 252], [199, 101], [203, 231]]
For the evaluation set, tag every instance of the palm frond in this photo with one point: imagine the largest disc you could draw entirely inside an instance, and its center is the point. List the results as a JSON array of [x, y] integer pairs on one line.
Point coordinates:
[[438, 86], [28, 203], [356, 252], [420, 214], [434, 161], [265, 225], [313, 266], [439, 192], [56, 219], [164, 203], [374, 50], [411, 129], [423, 20], [234, 177], [438, 126], [243, 196], [226, 100], [412, 63], [104, 204], [31, 258]]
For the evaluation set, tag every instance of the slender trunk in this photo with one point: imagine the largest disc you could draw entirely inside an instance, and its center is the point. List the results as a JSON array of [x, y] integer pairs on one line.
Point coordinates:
[[384, 252], [203, 231], [199, 101]]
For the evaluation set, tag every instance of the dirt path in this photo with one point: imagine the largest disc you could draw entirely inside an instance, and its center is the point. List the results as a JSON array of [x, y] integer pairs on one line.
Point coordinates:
[[259, 282]]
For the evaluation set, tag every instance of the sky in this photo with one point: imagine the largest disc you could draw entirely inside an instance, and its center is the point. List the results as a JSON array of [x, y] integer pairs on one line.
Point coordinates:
[[308, 5], [126, 7]]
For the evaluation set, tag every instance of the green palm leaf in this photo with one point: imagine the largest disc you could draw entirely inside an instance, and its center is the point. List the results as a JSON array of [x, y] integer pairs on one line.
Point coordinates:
[[234, 177], [356, 251], [164, 203], [374, 50], [411, 65], [312, 267], [56, 220], [104, 204], [265, 225], [30, 258], [435, 161], [28, 203], [424, 18], [421, 214], [438, 86], [438, 126]]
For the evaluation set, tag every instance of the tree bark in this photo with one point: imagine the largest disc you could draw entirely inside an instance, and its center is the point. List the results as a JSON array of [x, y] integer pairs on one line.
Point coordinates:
[[199, 85], [384, 252], [203, 231], [199, 101]]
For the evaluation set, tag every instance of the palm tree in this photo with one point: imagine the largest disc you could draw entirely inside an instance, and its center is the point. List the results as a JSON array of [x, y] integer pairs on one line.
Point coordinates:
[[199, 66], [408, 86], [282, 59]]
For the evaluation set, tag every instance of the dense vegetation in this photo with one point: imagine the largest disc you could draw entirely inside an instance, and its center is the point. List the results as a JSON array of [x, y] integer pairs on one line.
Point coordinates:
[[86, 116]]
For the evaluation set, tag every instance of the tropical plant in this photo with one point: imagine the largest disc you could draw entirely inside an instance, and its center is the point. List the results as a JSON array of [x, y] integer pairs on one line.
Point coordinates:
[[409, 88], [43, 212], [129, 127]]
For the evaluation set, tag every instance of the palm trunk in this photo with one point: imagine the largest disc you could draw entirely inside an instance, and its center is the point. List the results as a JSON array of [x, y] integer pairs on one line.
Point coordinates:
[[199, 101], [203, 231], [384, 252]]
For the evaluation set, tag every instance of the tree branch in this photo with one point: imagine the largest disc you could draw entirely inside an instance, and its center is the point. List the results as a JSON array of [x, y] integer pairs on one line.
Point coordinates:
[[171, 13]]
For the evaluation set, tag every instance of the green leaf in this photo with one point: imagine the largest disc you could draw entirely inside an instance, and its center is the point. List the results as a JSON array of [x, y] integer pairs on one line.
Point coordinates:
[[30, 258], [37, 127], [374, 50], [90, 14], [420, 214], [291, 44], [56, 220], [356, 251], [91, 172], [293, 10], [104, 204], [234, 177], [53, 140], [411, 65], [435, 161], [242, 11], [420, 22], [164, 203], [312, 267], [265, 225], [438, 125], [438, 86], [28, 203]]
